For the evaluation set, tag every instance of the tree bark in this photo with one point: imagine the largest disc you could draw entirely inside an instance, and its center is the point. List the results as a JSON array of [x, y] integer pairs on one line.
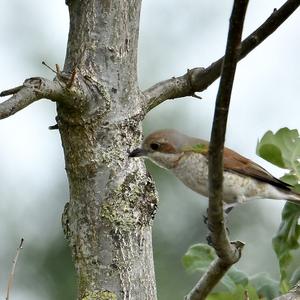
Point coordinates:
[[112, 200]]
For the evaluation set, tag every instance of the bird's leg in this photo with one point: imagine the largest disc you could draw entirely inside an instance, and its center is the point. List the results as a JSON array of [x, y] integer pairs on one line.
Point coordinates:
[[228, 210], [205, 217], [228, 207], [209, 240], [208, 236]]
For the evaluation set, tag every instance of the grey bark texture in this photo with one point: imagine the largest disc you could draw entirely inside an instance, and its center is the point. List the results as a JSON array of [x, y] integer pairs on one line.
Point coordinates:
[[112, 200]]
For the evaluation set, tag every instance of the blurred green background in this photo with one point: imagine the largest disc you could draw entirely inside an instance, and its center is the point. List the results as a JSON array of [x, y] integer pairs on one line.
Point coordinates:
[[175, 35]]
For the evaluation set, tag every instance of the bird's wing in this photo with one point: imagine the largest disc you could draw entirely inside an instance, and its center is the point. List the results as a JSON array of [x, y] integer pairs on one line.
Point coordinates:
[[235, 162]]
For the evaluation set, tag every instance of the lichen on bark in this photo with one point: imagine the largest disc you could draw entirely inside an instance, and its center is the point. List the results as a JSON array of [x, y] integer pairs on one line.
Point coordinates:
[[100, 295]]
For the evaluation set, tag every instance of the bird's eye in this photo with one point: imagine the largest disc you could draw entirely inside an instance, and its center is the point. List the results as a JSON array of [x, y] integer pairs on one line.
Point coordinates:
[[154, 146]]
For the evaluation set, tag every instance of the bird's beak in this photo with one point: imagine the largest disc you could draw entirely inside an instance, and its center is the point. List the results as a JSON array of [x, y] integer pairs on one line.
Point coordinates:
[[137, 152]]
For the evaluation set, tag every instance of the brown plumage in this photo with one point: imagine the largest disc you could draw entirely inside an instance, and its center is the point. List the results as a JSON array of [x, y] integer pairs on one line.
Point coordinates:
[[187, 158], [235, 162]]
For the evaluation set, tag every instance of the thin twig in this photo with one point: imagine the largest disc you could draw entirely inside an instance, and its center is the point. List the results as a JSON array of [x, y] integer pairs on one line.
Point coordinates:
[[196, 96], [228, 253], [68, 80], [11, 91], [46, 65], [12, 273], [59, 75], [224, 249], [72, 78], [246, 295], [57, 69], [198, 79]]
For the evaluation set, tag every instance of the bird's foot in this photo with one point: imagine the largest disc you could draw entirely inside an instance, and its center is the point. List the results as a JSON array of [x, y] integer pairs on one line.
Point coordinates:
[[209, 240], [228, 209]]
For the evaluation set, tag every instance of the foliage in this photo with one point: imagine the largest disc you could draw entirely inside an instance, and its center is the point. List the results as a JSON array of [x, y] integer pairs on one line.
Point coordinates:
[[239, 293], [283, 150], [235, 283]]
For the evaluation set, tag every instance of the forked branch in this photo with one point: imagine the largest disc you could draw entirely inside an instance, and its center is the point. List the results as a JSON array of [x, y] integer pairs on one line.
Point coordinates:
[[228, 253], [74, 90], [33, 89], [198, 79]]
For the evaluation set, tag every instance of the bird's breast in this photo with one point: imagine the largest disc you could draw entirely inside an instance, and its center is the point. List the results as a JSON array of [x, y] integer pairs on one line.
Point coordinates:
[[192, 170]]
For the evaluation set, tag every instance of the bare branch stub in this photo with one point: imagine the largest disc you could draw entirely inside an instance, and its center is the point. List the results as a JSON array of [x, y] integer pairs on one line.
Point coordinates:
[[199, 79], [59, 74], [53, 127], [65, 89], [71, 81], [33, 89], [228, 253], [12, 273], [51, 69]]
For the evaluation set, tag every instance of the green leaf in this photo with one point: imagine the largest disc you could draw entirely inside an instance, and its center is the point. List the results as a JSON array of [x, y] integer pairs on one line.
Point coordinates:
[[238, 277], [272, 154], [282, 149], [238, 294], [264, 285], [200, 256], [226, 284], [296, 188], [290, 179], [287, 239]]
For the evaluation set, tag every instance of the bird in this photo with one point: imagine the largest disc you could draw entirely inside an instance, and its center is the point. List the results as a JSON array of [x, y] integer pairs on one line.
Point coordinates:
[[187, 158]]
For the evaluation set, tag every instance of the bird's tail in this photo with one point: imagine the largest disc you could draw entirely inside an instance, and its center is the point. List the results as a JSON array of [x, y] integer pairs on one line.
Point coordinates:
[[293, 197]]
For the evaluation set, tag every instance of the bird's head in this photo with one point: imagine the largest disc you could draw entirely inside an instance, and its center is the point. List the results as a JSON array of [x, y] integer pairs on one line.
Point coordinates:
[[166, 147]]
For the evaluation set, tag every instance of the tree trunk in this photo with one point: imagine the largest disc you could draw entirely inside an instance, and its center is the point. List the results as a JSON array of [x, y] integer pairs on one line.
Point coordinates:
[[112, 200]]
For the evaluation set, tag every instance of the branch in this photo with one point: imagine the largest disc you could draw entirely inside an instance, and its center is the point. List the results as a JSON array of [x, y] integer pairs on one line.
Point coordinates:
[[228, 253], [12, 273], [198, 79], [208, 280], [33, 89], [293, 294]]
